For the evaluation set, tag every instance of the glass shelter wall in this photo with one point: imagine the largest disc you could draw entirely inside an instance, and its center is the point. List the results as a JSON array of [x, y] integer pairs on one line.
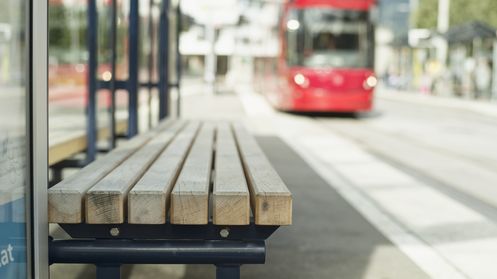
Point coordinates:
[[13, 143]]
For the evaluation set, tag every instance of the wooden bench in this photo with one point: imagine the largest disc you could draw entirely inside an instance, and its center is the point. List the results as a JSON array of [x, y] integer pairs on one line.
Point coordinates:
[[184, 180]]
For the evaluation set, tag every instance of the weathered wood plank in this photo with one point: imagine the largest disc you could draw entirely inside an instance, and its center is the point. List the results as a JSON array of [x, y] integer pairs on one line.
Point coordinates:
[[231, 198], [148, 201], [66, 199], [271, 199], [105, 202], [190, 196], [66, 144]]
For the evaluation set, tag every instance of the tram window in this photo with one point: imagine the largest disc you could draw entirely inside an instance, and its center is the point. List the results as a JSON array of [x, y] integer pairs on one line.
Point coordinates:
[[328, 41], [322, 37]]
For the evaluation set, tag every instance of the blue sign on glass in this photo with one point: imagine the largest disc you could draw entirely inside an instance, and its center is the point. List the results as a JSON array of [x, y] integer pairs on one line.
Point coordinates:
[[12, 242]]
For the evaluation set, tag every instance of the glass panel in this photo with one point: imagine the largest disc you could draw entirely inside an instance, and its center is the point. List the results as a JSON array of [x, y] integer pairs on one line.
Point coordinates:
[[13, 144], [67, 76], [104, 39], [105, 56], [149, 23]]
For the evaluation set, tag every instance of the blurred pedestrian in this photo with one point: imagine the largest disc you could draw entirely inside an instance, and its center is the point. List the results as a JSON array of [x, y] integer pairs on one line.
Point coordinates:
[[483, 78], [468, 83]]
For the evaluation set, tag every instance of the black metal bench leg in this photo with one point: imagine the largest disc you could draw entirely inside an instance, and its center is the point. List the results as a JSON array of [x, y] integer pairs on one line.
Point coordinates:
[[56, 176], [228, 272], [108, 271]]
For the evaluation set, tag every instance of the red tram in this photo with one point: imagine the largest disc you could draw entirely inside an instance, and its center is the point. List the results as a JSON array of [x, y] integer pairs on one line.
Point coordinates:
[[326, 60]]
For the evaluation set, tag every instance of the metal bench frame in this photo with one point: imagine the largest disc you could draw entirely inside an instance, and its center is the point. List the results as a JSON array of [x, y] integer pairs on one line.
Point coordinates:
[[111, 245]]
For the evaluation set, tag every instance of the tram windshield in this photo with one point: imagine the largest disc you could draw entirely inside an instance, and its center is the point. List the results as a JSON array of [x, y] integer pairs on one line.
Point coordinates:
[[325, 37]]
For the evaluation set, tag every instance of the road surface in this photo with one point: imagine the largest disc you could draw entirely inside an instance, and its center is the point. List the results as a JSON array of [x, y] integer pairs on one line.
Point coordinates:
[[422, 172]]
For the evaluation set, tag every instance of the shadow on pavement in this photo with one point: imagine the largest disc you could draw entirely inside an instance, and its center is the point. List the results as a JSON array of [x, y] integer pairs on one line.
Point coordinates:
[[340, 115]]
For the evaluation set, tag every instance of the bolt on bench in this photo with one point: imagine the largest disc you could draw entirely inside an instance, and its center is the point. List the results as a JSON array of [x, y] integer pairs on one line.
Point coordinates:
[[183, 193]]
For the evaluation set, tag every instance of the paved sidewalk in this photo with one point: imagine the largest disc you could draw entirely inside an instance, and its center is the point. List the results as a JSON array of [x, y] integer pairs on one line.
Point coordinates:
[[446, 236]]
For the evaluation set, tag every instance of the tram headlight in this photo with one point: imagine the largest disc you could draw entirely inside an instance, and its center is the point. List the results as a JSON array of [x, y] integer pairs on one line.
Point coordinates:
[[370, 82], [293, 24], [301, 80]]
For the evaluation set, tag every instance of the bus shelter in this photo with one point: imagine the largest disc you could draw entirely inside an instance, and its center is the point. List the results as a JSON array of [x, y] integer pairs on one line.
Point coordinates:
[[24, 108], [23, 175]]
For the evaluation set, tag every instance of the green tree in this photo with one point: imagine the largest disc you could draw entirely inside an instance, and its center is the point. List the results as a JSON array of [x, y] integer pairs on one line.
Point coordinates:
[[58, 36], [461, 11], [426, 14]]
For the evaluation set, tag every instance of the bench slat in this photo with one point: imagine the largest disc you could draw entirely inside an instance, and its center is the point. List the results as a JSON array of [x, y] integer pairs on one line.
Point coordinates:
[[105, 201], [271, 199], [66, 199], [190, 196], [148, 201], [231, 197]]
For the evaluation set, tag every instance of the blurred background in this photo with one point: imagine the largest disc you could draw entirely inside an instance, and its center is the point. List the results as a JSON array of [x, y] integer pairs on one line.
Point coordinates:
[[379, 115], [443, 48]]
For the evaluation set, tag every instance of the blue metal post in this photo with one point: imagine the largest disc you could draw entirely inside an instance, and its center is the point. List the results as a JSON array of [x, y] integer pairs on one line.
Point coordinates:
[[150, 59], [134, 21], [109, 271], [113, 49], [91, 125], [227, 271], [164, 61], [178, 60]]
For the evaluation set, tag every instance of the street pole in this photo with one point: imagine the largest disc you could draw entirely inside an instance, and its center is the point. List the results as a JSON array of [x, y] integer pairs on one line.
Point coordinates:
[[443, 27], [494, 78], [210, 59]]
